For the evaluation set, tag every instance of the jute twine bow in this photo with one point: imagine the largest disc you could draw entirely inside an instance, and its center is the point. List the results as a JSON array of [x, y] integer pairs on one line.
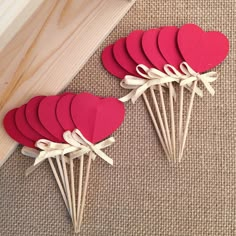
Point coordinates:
[[76, 146]]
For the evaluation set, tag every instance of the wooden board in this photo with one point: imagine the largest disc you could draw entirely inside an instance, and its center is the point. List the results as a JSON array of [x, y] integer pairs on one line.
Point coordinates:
[[13, 15], [49, 49]]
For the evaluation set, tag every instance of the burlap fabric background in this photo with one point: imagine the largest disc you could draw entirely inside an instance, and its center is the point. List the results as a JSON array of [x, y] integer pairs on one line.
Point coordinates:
[[143, 194]]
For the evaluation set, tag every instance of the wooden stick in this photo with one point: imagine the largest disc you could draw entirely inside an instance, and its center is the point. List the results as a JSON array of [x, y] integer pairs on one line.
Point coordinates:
[[72, 180], [155, 124], [79, 190], [59, 183], [85, 190], [172, 118], [180, 119], [188, 119], [60, 171], [165, 116], [67, 186], [160, 120]]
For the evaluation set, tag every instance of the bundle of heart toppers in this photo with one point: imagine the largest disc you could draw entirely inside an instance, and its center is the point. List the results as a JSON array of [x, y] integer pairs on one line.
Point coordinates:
[[63, 129], [170, 62]]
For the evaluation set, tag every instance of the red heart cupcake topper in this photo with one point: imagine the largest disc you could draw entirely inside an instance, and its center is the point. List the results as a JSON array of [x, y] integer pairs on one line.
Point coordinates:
[[12, 130], [167, 41], [151, 49], [48, 118], [31, 112], [63, 112], [134, 48], [123, 58], [111, 64], [96, 117], [23, 125], [202, 50]]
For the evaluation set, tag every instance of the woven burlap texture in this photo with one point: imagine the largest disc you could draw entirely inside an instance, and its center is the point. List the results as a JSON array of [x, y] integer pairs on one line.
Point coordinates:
[[143, 194]]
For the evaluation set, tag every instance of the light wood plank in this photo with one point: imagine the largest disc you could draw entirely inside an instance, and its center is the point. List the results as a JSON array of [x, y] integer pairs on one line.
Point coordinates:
[[13, 15], [50, 49]]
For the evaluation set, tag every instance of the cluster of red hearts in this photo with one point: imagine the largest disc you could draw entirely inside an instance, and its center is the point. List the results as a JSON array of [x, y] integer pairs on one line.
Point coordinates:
[[64, 128], [170, 62]]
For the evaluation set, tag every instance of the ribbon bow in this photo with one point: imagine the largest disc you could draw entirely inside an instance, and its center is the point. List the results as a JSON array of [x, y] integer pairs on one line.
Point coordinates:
[[52, 149], [76, 138], [76, 146], [140, 85], [174, 73], [192, 76]]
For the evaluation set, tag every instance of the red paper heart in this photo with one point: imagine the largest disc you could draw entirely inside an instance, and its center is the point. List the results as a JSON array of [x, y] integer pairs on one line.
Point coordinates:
[[123, 58], [110, 63], [167, 41], [13, 132], [31, 113], [202, 50], [96, 117], [23, 125], [63, 112], [48, 118], [151, 49], [135, 50]]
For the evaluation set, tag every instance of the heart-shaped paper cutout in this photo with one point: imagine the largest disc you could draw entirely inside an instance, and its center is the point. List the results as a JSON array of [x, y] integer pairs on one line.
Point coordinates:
[[167, 42], [123, 58], [202, 50], [135, 50], [48, 117], [13, 132], [151, 49], [110, 63], [63, 112], [96, 117], [23, 125], [31, 113]]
